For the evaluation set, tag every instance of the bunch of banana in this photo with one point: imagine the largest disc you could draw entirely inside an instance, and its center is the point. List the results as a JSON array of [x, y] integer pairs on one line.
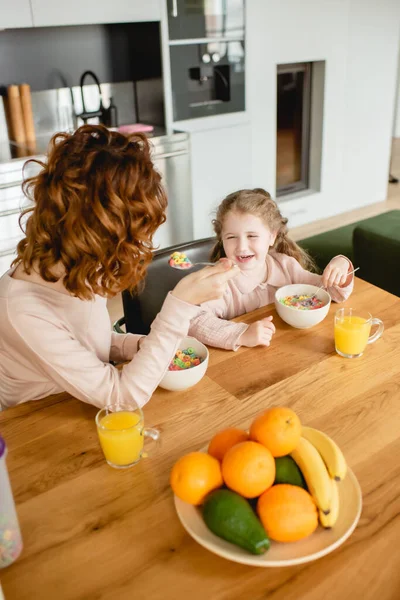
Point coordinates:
[[323, 465]]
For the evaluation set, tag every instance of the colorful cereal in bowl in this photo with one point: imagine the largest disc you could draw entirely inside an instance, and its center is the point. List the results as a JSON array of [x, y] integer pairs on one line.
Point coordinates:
[[301, 305], [187, 367], [303, 301]]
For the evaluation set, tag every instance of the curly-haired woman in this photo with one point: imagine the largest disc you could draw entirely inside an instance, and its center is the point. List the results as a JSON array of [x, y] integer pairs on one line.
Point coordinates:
[[97, 202]]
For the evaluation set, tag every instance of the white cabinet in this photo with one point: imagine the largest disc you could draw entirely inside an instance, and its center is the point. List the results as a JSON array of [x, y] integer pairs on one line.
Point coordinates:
[[15, 13], [12, 201], [81, 12], [221, 164]]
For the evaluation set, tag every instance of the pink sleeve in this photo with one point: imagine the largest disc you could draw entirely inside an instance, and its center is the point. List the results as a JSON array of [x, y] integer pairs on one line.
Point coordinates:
[[300, 275], [82, 374], [210, 326]]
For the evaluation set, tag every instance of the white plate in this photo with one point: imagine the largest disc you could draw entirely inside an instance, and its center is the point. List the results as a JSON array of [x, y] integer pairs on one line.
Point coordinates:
[[321, 542]]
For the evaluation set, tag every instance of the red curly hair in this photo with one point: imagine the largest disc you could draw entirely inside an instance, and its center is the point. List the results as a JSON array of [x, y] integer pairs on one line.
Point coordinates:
[[97, 202]]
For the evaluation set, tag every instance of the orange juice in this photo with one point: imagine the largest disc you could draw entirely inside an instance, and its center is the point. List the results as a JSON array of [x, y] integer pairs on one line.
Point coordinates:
[[351, 334], [121, 437]]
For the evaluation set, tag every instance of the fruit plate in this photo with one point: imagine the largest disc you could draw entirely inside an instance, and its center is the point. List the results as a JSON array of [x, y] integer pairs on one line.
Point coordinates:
[[321, 542]]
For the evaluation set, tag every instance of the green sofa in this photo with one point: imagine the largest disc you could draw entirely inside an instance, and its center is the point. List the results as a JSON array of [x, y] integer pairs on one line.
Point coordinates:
[[372, 244]]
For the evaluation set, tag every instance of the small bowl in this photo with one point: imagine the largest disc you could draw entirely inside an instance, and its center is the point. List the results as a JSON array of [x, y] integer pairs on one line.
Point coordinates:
[[181, 380], [301, 319]]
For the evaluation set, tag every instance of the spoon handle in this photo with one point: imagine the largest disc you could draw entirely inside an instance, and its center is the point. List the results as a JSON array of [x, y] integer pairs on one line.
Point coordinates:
[[322, 286]]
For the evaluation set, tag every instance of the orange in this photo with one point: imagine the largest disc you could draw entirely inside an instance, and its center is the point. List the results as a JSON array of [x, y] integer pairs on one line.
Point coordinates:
[[194, 476], [248, 469], [278, 429], [225, 439], [287, 512]]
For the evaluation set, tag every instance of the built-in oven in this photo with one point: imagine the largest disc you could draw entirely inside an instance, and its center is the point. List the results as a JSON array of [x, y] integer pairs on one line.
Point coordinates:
[[191, 19], [207, 79]]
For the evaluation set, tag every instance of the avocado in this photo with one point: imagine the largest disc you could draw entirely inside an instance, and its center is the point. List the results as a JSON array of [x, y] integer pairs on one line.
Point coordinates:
[[231, 517], [287, 471]]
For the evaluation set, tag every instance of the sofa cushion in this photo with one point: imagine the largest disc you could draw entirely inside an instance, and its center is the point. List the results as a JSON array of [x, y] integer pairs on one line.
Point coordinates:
[[324, 246], [376, 246]]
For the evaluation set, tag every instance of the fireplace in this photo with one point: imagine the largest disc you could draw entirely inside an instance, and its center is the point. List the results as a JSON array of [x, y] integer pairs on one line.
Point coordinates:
[[293, 127]]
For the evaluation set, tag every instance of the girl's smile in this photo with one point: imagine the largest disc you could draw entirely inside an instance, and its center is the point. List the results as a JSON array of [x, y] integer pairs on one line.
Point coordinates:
[[246, 241]]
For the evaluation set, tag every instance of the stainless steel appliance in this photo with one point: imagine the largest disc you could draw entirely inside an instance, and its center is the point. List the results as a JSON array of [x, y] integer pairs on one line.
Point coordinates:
[[171, 158], [207, 78], [207, 57], [189, 19]]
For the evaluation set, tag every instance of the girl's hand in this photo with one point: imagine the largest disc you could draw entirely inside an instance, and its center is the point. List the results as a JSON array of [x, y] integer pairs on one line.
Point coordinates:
[[258, 334], [335, 272], [207, 284]]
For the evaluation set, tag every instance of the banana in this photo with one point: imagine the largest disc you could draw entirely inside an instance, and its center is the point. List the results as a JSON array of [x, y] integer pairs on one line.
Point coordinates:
[[329, 450], [315, 473], [329, 521]]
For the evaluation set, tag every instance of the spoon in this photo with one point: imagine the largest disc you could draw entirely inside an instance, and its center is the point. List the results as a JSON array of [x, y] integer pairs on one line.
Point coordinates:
[[322, 286], [186, 266]]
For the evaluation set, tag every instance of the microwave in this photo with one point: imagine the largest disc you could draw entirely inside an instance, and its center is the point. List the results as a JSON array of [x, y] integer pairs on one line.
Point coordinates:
[[199, 19]]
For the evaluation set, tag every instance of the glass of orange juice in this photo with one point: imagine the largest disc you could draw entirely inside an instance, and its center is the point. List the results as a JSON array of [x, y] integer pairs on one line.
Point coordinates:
[[121, 433], [352, 331]]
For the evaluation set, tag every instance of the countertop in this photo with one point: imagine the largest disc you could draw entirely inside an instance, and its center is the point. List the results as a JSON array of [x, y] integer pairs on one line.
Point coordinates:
[[16, 154]]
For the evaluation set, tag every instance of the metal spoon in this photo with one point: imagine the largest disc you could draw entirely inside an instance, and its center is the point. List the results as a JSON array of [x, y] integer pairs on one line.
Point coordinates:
[[322, 286], [191, 265]]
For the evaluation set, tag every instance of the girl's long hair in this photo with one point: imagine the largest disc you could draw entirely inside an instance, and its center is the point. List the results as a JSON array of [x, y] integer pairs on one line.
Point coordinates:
[[258, 202], [97, 202]]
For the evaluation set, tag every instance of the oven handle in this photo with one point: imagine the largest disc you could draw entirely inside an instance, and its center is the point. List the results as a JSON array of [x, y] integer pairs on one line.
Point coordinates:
[[174, 11]]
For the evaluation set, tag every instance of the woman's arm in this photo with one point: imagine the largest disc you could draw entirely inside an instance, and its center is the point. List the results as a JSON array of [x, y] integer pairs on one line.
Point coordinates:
[[49, 347]]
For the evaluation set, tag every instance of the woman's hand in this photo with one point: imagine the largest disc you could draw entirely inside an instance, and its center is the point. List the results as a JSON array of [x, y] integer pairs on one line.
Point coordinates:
[[207, 284], [335, 272], [258, 334]]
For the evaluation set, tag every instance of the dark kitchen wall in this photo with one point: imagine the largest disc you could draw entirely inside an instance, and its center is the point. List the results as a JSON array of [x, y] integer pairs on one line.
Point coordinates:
[[55, 57]]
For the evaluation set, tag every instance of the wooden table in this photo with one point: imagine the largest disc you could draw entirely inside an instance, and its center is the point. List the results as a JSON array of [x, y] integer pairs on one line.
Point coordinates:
[[93, 532]]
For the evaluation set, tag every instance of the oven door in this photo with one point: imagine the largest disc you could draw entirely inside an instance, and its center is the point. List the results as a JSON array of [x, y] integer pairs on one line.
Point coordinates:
[[198, 19]]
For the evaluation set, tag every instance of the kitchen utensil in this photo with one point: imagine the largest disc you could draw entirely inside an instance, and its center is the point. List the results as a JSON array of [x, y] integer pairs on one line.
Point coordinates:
[[323, 286], [301, 319], [191, 265], [26, 103], [15, 116]]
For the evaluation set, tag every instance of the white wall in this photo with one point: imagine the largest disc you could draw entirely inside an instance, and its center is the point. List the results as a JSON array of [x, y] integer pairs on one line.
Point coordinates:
[[396, 127], [358, 39]]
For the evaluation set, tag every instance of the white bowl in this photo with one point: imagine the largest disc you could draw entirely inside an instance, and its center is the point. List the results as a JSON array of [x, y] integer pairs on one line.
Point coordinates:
[[301, 319], [181, 380]]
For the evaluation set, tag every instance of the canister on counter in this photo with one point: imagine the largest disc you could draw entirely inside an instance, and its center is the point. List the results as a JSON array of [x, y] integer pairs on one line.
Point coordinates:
[[10, 534]]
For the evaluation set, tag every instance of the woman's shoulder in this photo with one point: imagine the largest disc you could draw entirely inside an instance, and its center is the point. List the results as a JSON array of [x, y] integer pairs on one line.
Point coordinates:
[[27, 298]]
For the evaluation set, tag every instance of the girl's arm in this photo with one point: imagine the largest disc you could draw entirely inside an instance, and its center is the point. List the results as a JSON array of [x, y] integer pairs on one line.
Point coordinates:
[[212, 328], [338, 293], [49, 347]]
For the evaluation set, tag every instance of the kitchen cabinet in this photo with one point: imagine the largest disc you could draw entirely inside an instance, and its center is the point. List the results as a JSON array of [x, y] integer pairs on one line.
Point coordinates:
[[15, 13], [78, 12], [221, 164], [12, 202]]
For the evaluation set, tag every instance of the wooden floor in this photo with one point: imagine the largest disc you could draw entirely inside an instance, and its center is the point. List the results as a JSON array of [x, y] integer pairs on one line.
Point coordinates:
[[392, 202], [288, 157]]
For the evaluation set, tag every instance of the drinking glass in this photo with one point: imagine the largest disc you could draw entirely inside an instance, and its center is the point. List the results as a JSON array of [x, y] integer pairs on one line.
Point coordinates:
[[352, 331], [121, 433]]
